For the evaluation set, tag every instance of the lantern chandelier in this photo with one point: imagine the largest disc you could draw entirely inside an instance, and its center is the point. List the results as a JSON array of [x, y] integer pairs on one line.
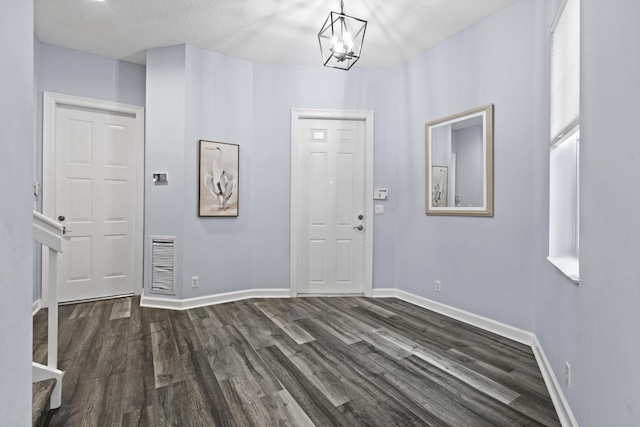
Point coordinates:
[[341, 39]]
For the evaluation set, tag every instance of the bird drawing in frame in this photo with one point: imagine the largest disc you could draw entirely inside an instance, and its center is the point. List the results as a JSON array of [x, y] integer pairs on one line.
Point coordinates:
[[220, 183]]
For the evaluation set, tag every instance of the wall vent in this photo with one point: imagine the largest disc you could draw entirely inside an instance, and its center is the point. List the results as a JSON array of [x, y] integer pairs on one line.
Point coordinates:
[[163, 262]]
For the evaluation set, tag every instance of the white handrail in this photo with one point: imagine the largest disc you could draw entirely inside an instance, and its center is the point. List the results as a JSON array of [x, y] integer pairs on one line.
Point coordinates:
[[50, 222], [49, 233]]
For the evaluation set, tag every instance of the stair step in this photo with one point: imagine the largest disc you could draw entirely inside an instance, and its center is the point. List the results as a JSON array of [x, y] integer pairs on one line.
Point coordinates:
[[41, 394]]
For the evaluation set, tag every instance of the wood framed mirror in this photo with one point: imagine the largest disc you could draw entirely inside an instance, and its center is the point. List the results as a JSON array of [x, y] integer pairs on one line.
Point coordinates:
[[459, 164]]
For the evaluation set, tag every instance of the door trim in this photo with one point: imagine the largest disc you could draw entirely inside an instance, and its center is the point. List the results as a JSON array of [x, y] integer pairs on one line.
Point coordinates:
[[298, 114], [51, 102]]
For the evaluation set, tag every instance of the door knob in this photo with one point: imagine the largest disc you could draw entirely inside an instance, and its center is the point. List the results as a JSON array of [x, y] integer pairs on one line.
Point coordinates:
[[61, 218], [359, 228]]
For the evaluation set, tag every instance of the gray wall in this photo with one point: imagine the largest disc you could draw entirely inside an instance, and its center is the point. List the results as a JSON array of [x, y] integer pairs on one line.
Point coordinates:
[[225, 253], [194, 94], [91, 76], [16, 239], [593, 324], [164, 149], [484, 263]]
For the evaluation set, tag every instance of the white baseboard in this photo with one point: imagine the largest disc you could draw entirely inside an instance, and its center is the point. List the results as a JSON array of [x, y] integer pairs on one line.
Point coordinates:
[[385, 293], [186, 304], [37, 305], [516, 334], [487, 324], [555, 391]]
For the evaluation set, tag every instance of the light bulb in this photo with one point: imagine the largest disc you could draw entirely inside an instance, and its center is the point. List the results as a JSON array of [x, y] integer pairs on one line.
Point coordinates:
[[335, 44], [348, 41], [338, 48]]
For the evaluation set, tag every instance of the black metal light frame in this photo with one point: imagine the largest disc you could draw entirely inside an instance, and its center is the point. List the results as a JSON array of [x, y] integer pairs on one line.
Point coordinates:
[[335, 27]]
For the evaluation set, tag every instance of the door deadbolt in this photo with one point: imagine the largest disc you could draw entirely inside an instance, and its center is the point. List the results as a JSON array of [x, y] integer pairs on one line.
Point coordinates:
[[360, 216], [61, 218]]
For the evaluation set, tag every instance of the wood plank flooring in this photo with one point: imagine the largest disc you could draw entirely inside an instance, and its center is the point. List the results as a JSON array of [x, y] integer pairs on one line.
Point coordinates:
[[288, 362]]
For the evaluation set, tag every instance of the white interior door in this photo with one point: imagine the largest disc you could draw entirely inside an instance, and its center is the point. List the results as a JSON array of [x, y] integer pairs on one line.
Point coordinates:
[[331, 206], [95, 198]]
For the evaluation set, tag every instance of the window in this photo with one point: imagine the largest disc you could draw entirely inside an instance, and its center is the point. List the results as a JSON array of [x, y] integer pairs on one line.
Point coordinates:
[[564, 155]]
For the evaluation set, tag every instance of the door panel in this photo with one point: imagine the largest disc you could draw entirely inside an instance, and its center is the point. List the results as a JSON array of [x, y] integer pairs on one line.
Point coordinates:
[[331, 167], [344, 249], [95, 201]]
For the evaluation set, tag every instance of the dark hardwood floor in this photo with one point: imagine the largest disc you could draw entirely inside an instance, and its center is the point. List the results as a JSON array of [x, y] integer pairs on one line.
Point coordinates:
[[288, 362]]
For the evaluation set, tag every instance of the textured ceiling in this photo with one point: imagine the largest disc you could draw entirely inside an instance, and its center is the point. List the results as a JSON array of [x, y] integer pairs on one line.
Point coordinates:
[[263, 31]]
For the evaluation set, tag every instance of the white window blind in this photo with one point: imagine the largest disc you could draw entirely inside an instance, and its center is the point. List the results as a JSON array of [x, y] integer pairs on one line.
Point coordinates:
[[565, 71], [564, 198]]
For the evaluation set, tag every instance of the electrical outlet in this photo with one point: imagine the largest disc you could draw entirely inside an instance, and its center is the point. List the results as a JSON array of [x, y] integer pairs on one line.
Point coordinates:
[[194, 282], [567, 374], [438, 285]]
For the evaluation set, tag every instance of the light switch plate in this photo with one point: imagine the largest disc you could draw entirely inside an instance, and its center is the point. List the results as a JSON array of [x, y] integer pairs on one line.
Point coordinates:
[[379, 209], [380, 194]]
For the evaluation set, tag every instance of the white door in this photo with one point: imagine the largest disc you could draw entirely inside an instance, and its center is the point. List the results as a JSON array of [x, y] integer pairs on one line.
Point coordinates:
[[94, 198], [331, 206]]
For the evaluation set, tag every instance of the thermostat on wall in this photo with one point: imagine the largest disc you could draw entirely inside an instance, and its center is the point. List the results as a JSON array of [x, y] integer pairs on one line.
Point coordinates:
[[160, 178], [380, 194]]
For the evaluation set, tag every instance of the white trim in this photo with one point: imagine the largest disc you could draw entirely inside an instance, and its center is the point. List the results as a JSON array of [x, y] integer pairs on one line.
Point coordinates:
[[516, 334], [568, 265], [186, 304], [50, 103], [554, 25], [385, 293], [47, 231], [298, 114], [37, 305], [502, 329], [555, 391]]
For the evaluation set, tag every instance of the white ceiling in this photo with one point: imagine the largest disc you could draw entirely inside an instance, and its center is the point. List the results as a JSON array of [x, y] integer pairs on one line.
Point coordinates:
[[263, 31]]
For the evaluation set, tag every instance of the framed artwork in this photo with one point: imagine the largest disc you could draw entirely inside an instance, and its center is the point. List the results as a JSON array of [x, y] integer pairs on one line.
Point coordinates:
[[439, 189], [218, 172]]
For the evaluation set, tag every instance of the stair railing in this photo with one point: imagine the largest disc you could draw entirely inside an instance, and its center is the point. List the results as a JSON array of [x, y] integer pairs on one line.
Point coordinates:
[[49, 233]]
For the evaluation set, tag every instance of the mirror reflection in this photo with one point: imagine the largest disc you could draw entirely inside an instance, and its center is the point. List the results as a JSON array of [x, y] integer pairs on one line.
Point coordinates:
[[459, 164]]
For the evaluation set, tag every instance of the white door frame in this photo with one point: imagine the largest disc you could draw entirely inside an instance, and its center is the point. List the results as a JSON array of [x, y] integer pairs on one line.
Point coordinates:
[[51, 102], [298, 114]]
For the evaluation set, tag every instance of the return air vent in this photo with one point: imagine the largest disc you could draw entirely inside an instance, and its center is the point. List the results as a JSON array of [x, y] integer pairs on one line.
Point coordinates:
[[163, 261]]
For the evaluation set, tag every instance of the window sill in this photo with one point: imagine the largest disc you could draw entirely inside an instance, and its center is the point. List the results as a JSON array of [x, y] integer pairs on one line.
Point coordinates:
[[568, 265]]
